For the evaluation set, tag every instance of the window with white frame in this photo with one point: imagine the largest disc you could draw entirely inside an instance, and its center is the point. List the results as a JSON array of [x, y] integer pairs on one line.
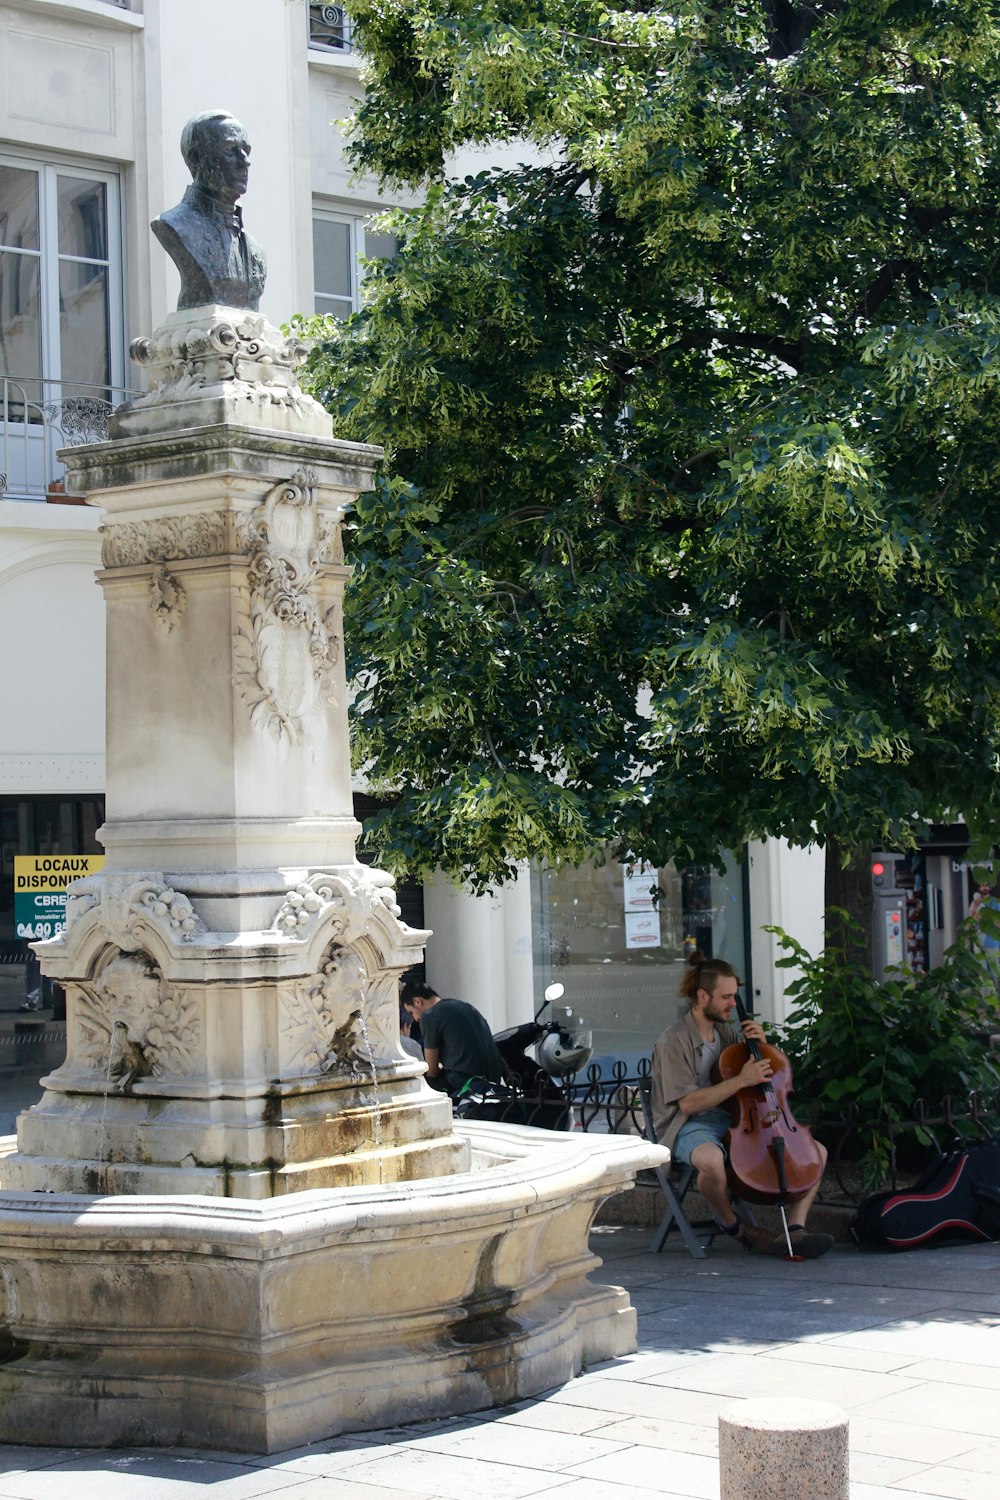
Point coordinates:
[[340, 241], [62, 347], [60, 280]]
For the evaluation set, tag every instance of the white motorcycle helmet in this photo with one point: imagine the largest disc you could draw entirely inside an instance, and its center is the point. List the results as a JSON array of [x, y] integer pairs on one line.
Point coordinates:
[[563, 1052]]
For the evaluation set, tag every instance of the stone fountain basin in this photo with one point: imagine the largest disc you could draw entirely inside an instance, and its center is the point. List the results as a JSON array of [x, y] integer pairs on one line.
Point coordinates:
[[257, 1326]]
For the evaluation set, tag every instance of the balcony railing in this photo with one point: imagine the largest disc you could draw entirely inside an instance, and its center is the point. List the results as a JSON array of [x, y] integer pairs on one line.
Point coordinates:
[[37, 418], [330, 28]]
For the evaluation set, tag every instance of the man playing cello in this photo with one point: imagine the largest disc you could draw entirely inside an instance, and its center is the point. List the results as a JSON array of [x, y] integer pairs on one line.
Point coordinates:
[[690, 1113]]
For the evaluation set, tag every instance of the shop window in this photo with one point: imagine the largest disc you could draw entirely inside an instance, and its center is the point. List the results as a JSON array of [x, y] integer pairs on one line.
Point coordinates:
[[340, 243], [621, 953], [32, 1008]]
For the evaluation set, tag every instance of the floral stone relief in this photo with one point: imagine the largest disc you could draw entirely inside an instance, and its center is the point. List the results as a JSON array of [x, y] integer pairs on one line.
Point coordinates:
[[357, 894], [129, 544], [124, 901], [131, 1024], [324, 1029], [288, 646], [167, 599]]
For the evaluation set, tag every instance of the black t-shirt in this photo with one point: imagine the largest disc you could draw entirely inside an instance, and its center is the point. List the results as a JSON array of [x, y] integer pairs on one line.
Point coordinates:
[[463, 1041]]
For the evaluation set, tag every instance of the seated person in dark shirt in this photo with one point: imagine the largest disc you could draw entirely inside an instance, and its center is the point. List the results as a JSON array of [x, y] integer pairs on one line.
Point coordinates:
[[458, 1045]]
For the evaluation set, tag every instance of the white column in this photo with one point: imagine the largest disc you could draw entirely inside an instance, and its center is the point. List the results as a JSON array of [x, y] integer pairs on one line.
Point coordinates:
[[786, 890], [481, 948]]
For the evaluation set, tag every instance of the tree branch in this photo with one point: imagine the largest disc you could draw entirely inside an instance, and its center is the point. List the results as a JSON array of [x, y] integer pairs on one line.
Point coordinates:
[[789, 353], [881, 288], [790, 24]]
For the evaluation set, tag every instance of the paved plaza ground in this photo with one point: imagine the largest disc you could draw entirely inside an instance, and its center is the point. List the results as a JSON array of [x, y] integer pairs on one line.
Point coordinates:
[[908, 1344]]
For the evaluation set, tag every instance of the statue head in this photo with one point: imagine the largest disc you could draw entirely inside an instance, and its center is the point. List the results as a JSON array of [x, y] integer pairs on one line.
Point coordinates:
[[217, 153]]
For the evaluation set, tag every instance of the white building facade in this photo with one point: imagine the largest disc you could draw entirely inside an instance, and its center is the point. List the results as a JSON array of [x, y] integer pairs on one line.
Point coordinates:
[[93, 97]]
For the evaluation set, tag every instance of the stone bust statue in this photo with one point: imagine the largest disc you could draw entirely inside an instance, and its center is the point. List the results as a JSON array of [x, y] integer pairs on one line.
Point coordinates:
[[204, 235]]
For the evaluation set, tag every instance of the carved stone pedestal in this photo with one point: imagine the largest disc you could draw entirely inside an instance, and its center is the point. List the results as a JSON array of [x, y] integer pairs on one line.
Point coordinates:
[[227, 1063], [231, 976]]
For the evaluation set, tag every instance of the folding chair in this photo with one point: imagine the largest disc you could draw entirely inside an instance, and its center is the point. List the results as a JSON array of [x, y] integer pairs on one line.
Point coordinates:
[[699, 1235]]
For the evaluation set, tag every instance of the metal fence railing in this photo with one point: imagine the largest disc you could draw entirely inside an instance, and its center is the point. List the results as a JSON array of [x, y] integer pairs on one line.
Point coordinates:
[[913, 1139], [606, 1099], [37, 418]]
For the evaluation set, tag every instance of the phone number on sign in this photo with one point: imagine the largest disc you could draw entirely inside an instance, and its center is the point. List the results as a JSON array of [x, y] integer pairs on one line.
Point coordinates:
[[36, 930]]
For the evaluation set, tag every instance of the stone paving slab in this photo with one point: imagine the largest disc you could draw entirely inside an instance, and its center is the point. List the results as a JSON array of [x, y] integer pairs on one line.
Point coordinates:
[[145, 1476], [908, 1344]]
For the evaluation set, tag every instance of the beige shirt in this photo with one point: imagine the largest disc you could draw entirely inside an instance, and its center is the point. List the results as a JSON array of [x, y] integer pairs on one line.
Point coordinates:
[[676, 1068]]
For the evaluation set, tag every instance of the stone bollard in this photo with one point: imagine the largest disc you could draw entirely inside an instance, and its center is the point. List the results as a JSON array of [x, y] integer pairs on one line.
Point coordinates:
[[781, 1448]]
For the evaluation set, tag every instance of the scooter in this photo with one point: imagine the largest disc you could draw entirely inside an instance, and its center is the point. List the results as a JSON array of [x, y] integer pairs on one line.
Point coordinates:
[[535, 1096], [558, 1050]]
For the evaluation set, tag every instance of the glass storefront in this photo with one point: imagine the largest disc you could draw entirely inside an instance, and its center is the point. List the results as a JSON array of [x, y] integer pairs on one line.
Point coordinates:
[[32, 1008], [620, 952]]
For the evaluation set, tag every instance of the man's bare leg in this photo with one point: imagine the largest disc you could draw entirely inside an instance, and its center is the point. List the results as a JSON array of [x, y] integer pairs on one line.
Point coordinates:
[[798, 1212], [709, 1162]]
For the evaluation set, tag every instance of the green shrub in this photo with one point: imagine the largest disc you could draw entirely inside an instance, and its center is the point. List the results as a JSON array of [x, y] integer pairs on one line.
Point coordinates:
[[884, 1045]]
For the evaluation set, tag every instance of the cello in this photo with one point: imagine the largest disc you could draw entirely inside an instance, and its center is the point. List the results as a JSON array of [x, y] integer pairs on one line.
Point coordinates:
[[770, 1157]]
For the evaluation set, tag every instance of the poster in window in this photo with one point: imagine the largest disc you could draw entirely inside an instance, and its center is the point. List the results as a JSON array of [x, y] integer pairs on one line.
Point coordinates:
[[642, 919]]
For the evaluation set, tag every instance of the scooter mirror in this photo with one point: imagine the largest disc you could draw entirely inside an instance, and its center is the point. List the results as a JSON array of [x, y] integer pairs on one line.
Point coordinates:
[[555, 992]]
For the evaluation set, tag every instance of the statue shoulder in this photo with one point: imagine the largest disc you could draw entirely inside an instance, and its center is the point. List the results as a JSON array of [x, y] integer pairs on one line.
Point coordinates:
[[175, 223]]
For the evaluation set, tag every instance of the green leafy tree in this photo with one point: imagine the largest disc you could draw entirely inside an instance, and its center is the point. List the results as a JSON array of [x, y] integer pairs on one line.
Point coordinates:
[[687, 527]]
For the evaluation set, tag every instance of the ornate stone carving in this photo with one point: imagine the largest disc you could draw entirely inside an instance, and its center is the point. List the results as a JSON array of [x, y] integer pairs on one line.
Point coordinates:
[[169, 910], [124, 900], [167, 598], [82, 896], [323, 1029], [130, 543], [219, 353], [288, 647], [330, 547], [357, 893], [130, 1024]]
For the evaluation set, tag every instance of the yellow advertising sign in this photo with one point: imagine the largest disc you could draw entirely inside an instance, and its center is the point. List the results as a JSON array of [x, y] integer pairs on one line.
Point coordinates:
[[52, 872], [40, 882]]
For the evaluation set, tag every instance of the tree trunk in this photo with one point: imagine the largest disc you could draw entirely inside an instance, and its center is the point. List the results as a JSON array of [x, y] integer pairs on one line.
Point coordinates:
[[849, 889]]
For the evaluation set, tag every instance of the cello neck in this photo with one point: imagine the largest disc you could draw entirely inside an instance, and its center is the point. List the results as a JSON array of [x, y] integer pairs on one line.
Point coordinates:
[[745, 1015], [752, 1046]]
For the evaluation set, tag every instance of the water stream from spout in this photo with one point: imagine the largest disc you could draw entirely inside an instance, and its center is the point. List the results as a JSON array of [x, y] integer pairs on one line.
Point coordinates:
[[116, 1026], [377, 1107]]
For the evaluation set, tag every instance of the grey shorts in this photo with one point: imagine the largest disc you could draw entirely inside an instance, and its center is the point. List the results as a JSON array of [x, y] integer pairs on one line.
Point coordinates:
[[710, 1125]]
